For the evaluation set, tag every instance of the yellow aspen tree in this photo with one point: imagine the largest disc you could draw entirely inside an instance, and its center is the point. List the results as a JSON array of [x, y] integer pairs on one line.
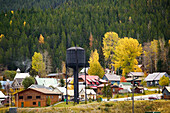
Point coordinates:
[[126, 52], [95, 67], [41, 39], [12, 12], [24, 23], [1, 36], [10, 22], [109, 43], [38, 64]]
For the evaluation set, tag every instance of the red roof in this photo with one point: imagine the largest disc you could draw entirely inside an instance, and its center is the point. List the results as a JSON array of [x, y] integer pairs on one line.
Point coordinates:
[[90, 79], [93, 87]]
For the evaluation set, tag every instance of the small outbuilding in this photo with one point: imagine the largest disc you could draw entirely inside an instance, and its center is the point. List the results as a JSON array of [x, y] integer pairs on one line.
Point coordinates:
[[166, 92]]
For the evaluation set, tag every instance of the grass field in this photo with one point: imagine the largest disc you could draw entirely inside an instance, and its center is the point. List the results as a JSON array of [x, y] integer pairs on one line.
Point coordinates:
[[104, 107]]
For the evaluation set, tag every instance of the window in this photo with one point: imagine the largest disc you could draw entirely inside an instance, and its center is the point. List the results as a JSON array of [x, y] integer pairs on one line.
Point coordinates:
[[38, 97], [29, 97], [34, 103], [100, 88], [52, 96], [20, 97]]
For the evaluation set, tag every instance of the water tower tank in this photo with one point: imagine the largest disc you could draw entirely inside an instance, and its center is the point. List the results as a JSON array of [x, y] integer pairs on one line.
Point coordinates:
[[75, 55]]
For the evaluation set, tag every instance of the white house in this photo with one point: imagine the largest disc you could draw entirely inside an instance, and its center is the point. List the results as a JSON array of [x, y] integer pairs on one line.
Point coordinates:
[[126, 87], [90, 94]]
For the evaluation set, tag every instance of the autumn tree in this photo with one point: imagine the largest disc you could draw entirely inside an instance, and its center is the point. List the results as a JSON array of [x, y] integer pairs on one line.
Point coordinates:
[[91, 40], [109, 43], [41, 39], [126, 52], [123, 79], [164, 81], [38, 64], [95, 67]]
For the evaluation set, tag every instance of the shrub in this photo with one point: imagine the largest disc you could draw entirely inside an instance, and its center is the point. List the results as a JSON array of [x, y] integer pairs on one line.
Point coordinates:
[[109, 104], [48, 101], [90, 100]]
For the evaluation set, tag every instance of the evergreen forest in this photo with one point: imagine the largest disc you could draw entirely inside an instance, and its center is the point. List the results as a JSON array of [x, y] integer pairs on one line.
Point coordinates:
[[67, 23]]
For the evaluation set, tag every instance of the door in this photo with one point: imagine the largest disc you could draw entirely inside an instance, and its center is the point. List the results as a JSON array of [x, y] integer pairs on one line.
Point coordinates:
[[22, 104], [39, 104]]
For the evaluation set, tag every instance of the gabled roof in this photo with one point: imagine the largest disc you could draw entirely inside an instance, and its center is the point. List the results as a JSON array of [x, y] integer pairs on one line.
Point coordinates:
[[88, 91], [166, 87], [62, 89], [155, 76], [21, 75], [41, 90], [112, 77], [89, 78], [47, 82], [139, 74], [2, 96], [19, 80]]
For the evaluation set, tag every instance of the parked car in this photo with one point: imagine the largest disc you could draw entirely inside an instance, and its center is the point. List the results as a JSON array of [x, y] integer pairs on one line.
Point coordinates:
[[153, 98]]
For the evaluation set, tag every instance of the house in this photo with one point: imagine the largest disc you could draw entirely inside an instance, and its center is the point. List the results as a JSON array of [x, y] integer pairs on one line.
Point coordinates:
[[46, 82], [21, 75], [36, 97], [138, 76], [126, 87], [91, 81], [82, 72], [90, 94], [114, 89], [112, 78], [5, 83], [139, 89], [153, 79], [2, 98], [18, 79], [166, 92]]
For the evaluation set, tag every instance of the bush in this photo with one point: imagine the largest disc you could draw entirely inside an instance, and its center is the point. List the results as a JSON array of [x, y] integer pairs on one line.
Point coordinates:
[[109, 104], [48, 101], [90, 100], [117, 96]]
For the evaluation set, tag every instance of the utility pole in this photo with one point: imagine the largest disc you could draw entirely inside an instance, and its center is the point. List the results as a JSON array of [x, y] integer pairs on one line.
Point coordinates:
[[132, 93]]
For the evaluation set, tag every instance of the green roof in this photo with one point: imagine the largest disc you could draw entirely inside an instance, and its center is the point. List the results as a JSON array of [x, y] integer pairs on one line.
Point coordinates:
[[126, 83]]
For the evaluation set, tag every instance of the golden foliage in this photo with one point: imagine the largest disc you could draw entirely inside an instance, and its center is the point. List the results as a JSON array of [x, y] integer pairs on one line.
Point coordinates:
[[38, 64], [95, 67], [125, 54], [109, 43], [12, 12], [1, 36], [41, 39], [10, 22], [24, 23]]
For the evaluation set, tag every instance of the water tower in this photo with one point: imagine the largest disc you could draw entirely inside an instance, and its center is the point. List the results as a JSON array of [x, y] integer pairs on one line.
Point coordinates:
[[75, 59]]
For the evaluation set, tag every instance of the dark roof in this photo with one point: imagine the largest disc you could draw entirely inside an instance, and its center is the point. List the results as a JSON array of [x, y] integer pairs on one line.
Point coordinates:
[[19, 80]]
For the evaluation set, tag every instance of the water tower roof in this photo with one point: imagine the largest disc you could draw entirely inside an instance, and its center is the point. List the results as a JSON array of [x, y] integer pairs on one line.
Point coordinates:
[[73, 48]]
